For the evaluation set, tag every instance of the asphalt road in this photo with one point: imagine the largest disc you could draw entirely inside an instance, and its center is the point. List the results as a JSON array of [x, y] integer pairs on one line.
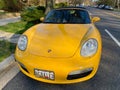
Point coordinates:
[[108, 75]]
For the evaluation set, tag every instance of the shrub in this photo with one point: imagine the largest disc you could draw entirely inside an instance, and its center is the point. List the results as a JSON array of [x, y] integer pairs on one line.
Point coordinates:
[[2, 4], [6, 49], [32, 13]]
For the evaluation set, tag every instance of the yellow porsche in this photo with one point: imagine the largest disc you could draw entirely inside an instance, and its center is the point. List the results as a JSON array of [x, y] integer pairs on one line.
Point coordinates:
[[65, 48]]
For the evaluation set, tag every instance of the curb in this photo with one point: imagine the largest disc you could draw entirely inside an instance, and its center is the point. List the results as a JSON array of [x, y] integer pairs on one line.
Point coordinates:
[[6, 63], [11, 37]]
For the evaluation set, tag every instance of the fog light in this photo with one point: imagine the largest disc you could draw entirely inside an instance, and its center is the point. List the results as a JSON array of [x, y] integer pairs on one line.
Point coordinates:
[[79, 74], [80, 71]]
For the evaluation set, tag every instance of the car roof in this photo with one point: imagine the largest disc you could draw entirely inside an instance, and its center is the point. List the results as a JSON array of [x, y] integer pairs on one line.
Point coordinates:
[[79, 8]]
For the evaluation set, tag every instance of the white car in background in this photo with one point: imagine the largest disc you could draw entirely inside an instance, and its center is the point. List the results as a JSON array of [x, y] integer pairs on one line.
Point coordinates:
[[109, 7]]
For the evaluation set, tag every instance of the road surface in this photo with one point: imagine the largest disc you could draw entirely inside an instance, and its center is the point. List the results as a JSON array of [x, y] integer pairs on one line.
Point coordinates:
[[108, 75]]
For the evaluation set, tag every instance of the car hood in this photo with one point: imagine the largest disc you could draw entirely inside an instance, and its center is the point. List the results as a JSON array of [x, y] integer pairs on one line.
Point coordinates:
[[57, 40]]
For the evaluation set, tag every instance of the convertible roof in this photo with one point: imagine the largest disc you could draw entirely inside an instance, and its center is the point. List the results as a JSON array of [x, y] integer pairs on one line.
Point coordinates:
[[76, 7], [81, 8]]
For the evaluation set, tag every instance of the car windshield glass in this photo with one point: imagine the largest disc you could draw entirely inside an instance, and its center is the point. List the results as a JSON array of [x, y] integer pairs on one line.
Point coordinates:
[[68, 16]]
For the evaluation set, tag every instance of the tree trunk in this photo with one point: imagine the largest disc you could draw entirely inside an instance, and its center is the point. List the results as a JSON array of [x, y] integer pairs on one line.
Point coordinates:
[[118, 4], [49, 6], [115, 3]]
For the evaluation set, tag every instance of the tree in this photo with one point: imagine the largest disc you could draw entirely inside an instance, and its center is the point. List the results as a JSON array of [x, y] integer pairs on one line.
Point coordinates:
[[12, 5], [49, 5], [118, 4]]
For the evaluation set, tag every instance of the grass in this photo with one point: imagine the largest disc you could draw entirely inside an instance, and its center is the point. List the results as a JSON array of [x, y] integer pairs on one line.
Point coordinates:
[[17, 27], [2, 13], [6, 49]]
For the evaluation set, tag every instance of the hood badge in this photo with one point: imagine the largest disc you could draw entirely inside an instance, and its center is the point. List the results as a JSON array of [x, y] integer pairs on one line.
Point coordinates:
[[49, 50]]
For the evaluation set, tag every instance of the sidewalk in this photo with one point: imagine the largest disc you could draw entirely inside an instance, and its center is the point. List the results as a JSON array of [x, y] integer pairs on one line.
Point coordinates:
[[9, 20], [8, 74], [8, 65], [11, 37]]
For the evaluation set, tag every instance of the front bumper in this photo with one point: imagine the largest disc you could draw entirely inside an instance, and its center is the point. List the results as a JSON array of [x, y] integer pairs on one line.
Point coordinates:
[[61, 67]]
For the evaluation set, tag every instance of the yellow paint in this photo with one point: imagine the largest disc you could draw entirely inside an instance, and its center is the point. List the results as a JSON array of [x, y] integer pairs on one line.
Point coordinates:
[[56, 47]]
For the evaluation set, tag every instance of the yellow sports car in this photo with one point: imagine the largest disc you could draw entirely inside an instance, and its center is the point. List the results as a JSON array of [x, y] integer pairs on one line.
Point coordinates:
[[65, 48]]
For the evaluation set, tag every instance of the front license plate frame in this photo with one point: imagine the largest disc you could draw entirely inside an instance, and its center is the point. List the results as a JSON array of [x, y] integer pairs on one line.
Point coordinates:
[[45, 74]]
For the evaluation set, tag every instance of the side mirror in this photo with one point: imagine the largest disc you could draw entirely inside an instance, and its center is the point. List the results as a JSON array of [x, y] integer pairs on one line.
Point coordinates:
[[42, 19], [95, 19]]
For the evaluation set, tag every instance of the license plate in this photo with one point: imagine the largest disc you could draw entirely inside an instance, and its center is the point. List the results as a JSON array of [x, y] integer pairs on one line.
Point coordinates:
[[44, 74]]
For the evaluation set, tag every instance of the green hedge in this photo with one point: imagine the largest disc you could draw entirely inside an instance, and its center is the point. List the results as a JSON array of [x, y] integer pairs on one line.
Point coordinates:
[[32, 13], [2, 4]]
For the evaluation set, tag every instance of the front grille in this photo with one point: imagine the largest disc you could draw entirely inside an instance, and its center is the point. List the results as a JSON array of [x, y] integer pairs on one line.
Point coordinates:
[[76, 76]]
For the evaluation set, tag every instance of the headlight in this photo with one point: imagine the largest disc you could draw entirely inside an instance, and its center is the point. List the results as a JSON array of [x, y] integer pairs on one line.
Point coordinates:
[[89, 48], [22, 42]]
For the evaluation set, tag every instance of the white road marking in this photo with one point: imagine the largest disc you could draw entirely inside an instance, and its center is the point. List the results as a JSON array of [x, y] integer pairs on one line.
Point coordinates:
[[114, 39]]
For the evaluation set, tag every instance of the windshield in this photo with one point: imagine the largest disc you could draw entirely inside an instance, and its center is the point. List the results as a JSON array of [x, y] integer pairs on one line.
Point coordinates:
[[68, 16]]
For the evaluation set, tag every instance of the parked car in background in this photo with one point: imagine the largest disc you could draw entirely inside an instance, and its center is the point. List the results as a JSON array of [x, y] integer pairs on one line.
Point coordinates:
[[108, 7], [101, 6], [95, 6]]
